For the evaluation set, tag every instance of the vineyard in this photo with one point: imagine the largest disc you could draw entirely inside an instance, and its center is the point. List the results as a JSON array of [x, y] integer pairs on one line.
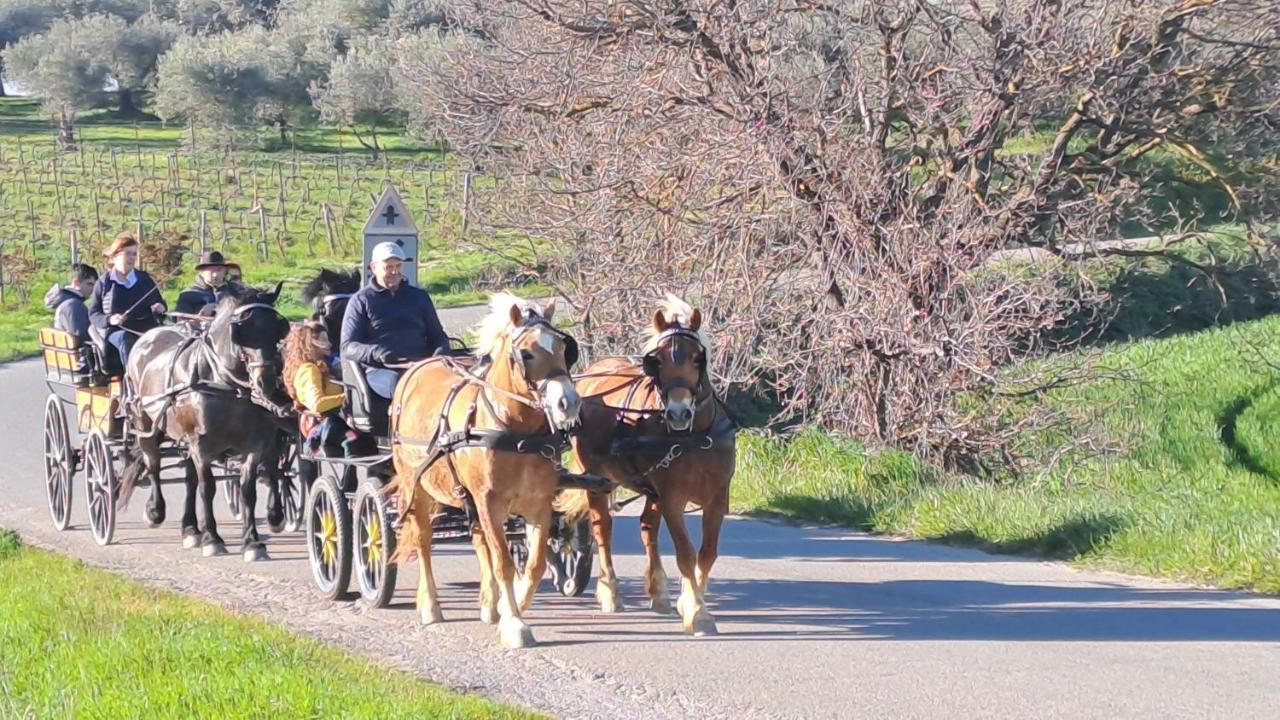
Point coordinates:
[[280, 212]]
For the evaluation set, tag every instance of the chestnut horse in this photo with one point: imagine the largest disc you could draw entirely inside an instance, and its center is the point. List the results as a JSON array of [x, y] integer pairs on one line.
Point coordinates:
[[490, 445], [657, 427]]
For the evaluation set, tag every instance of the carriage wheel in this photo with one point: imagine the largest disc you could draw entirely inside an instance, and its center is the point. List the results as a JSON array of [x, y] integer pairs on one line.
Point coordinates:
[[375, 542], [329, 537], [58, 467], [519, 547], [292, 499], [571, 553], [100, 487], [231, 492]]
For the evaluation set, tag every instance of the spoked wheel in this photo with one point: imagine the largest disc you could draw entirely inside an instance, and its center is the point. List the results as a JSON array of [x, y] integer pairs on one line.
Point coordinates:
[[58, 464], [291, 497], [519, 547], [570, 554], [375, 542], [100, 487], [329, 537], [231, 492]]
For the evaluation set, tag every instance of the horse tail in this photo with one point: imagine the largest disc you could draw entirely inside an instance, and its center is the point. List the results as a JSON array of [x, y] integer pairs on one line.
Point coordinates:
[[574, 503], [133, 472]]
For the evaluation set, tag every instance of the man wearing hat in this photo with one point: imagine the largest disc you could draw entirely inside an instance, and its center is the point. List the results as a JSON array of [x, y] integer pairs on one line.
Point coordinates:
[[390, 322], [126, 302], [210, 286]]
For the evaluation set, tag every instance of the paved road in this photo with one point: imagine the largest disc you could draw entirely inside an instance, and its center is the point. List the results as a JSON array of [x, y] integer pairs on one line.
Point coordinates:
[[814, 622]]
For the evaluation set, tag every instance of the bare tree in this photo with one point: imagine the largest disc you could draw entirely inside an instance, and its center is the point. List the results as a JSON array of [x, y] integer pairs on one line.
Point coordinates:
[[880, 202]]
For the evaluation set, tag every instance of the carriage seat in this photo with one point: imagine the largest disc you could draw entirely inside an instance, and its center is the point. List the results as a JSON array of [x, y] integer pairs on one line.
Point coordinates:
[[362, 408], [69, 361]]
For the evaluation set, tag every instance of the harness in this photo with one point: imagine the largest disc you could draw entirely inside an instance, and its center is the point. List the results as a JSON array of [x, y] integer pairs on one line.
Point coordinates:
[[448, 441]]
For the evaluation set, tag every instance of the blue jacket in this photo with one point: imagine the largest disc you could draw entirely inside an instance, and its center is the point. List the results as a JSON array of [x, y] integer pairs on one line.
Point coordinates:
[[110, 297], [401, 323], [195, 298]]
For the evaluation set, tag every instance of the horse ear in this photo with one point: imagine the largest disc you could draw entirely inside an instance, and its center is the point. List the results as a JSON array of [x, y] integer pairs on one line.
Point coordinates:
[[659, 322], [549, 310], [517, 316], [275, 294], [695, 320]]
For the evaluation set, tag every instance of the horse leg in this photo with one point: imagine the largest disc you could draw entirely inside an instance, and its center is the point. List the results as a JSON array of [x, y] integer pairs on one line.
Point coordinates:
[[602, 529], [712, 520], [210, 541], [275, 500], [488, 583], [536, 535], [190, 527], [428, 599], [151, 457], [655, 585], [512, 630], [697, 621], [251, 545]]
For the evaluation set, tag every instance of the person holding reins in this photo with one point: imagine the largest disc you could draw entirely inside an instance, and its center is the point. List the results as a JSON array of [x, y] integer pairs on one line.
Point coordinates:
[[126, 302]]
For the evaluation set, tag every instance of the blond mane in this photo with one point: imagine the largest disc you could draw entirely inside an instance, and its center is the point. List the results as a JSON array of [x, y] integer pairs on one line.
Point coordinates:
[[674, 310], [493, 330]]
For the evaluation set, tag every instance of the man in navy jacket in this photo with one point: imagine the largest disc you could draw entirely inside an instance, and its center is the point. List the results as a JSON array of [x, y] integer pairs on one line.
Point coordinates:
[[390, 322]]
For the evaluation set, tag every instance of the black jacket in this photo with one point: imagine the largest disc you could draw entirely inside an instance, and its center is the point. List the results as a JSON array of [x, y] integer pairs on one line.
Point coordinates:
[[69, 312], [195, 298], [402, 323], [110, 297]]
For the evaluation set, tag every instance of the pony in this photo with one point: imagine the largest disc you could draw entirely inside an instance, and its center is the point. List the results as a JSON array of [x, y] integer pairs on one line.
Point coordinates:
[[654, 425], [219, 394], [328, 294], [487, 440]]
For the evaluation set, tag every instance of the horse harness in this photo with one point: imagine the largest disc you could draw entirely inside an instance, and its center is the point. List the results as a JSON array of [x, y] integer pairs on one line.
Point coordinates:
[[447, 441]]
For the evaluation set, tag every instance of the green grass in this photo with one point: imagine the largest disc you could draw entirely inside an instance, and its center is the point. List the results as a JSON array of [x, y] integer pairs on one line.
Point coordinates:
[[125, 172], [80, 642], [1194, 493]]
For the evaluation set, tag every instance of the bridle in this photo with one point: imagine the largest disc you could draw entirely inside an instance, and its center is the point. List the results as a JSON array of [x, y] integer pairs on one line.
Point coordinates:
[[227, 375], [651, 363]]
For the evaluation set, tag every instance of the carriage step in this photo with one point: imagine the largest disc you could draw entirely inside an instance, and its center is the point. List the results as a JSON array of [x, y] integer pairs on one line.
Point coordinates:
[[584, 481]]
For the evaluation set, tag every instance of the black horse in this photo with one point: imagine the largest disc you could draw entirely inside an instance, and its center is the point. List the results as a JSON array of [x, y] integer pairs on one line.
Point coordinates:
[[219, 394]]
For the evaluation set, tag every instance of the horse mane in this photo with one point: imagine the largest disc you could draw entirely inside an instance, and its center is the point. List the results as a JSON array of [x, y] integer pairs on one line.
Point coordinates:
[[677, 311], [492, 331], [330, 281]]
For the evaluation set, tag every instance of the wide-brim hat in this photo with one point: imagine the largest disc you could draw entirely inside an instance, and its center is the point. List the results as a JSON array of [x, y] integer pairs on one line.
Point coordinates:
[[210, 259], [122, 241]]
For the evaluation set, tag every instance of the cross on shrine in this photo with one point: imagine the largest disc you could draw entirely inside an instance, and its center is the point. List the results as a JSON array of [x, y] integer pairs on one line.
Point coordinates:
[[390, 214]]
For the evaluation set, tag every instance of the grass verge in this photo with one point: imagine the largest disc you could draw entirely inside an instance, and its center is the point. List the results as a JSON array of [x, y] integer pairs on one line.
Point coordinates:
[[1194, 495], [80, 642]]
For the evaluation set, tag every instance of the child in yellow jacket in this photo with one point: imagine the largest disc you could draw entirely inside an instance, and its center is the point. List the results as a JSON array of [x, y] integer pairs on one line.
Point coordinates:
[[318, 397]]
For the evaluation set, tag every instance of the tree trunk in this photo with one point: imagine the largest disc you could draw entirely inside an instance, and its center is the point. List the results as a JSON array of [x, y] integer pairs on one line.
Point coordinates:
[[2, 94], [66, 131], [126, 104]]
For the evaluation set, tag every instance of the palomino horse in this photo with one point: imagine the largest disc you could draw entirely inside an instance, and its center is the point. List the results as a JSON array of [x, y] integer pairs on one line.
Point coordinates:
[[491, 445], [658, 428], [219, 394]]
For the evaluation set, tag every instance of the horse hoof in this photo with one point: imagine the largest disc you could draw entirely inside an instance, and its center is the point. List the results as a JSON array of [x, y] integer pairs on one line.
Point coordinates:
[[489, 616], [213, 550], [291, 526], [190, 542], [702, 625], [432, 616], [276, 527], [516, 635], [662, 606], [610, 607], [255, 554], [155, 519]]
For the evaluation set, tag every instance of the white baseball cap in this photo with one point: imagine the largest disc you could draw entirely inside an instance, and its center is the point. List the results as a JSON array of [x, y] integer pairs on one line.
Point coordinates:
[[387, 251]]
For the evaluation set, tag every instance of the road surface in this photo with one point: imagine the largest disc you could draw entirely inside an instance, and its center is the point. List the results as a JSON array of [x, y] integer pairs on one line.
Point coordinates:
[[814, 622]]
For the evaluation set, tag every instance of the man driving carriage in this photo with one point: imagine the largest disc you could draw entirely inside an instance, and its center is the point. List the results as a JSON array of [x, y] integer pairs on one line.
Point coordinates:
[[126, 301], [390, 322]]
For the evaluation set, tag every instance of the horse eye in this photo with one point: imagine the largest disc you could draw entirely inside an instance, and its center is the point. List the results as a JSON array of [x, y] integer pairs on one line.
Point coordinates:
[[526, 356]]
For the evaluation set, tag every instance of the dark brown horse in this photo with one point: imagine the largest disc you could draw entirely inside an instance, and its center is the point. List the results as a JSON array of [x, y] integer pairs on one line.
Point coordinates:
[[218, 393], [656, 427]]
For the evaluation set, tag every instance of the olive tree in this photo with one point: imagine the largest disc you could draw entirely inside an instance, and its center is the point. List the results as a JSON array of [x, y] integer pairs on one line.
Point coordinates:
[[62, 67]]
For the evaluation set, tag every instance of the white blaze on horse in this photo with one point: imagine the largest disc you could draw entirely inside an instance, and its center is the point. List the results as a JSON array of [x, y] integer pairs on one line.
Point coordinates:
[[657, 427], [490, 444]]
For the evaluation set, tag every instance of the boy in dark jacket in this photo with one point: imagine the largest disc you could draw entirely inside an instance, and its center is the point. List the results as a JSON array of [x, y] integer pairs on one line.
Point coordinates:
[[126, 302], [390, 322], [67, 303]]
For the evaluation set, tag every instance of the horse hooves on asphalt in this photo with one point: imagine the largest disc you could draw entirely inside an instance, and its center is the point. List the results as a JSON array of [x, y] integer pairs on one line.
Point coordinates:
[[213, 550], [515, 637], [279, 527], [190, 542], [255, 554]]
